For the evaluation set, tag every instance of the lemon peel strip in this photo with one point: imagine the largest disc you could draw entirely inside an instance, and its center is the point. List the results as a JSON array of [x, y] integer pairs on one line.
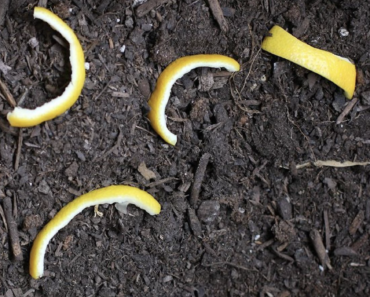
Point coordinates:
[[122, 195], [339, 70], [168, 77], [23, 117]]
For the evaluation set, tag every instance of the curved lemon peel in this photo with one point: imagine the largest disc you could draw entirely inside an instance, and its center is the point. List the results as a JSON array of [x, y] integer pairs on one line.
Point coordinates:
[[168, 77], [23, 117], [122, 195], [337, 69]]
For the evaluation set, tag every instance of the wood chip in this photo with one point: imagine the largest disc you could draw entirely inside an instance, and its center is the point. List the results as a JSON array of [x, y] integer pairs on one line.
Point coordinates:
[[145, 172], [215, 7], [4, 5], [13, 230], [356, 223], [8, 96], [346, 110], [148, 6], [198, 178], [194, 223], [319, 248]]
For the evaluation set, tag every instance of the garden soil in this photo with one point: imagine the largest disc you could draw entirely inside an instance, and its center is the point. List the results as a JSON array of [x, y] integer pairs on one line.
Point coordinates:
[[268, 220]]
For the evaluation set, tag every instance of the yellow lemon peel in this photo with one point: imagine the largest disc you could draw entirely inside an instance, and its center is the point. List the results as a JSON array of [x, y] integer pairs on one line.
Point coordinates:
[[122, 195], [339, 70], [168, 77], [23, 117]]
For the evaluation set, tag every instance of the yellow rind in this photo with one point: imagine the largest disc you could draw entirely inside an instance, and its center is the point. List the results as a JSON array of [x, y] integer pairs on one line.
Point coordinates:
[[168, 77], [23, 117], [339, 70], [112, 194]]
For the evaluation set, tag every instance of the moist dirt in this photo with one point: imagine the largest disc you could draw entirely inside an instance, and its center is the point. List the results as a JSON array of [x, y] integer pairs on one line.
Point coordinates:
[[261, 225]]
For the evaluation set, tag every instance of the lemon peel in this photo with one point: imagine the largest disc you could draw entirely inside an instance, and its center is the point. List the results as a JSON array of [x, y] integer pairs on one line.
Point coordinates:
[[23, 117], [168, 77], [339, 70], [122, 195]]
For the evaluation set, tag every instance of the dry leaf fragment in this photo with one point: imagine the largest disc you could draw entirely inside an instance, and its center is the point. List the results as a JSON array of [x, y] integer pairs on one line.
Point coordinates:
[[145, 172]]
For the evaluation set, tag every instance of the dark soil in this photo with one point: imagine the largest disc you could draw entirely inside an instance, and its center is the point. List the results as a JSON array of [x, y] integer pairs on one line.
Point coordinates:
[[259, 222]]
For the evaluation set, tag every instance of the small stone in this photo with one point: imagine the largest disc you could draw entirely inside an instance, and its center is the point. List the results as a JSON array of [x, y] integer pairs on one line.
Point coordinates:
[[167, 278], [129, 22], [33, 42], [339, 101], [97, 279], [330, 183], [285, 209], [345, 251], [208, 211], [31, 221], [136, 36], [106, 292], [284, 232], [81, 156], [72, 170], [147, 27], [228, 12], [44, 187], [343, 32]]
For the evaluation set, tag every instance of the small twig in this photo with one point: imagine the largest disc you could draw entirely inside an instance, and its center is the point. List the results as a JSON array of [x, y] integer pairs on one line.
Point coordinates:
[[327, 230], [22, 97], [194, 222], [74, 259], [102, 91], [364, 239], [103, 6], [209, 250], [13, 231], [249, 71], [230, 264], [4, 5], [319, 248], [5, 127], [357, 222], [198, 178], [162, 181], [346, 110], [29, 292], [283, 256], [300, 130], [331, 163], [265, 244], [107, 153], [215, 7], [19, 150], [8, 96], [2, 214], [148, 6], [87, 12]]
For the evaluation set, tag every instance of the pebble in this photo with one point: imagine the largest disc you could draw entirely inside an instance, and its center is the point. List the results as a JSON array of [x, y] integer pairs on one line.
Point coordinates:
[[43, 187], [129, 22], [285, 209], [72, 170], [345, 251], [208, 211]]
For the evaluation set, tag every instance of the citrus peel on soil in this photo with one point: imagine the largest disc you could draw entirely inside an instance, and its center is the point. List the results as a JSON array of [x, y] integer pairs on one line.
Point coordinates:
[[168, 77], [339, 70], [23, 117], [122, 195]]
